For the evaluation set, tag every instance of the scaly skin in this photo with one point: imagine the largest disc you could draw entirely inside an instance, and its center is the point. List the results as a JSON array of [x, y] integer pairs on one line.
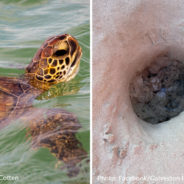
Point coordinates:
[[56, 61]]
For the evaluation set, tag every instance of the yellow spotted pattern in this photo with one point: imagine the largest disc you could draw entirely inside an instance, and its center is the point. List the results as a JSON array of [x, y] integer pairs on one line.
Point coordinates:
[[61, 64]]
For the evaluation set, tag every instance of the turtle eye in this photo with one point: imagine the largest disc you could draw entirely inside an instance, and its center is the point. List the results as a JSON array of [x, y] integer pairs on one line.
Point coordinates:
[[60, 53]]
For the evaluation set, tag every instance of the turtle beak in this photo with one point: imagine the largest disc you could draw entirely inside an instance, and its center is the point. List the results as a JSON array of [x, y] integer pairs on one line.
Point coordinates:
[[74, 67]]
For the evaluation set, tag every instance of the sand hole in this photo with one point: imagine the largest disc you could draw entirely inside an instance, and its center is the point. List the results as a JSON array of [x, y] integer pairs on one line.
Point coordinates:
[[157, 93]]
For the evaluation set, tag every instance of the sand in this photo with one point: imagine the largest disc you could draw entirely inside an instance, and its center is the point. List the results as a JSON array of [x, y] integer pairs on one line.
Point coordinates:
[[127, 36]]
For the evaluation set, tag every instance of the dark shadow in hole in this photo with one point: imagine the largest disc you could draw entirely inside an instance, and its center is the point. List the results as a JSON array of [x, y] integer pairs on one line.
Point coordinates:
[[157, 93]]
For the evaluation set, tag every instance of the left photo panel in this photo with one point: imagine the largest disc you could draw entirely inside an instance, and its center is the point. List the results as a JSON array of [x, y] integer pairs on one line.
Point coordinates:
[[45, 92]]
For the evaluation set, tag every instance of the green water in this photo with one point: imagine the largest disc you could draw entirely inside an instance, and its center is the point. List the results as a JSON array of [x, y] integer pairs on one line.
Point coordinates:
[[24, 25]]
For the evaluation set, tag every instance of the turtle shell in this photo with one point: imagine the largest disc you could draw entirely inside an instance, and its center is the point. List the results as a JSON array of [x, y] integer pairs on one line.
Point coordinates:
[[14, 97]]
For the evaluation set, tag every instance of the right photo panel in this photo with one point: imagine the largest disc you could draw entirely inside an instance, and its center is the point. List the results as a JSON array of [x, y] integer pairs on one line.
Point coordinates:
[[138, 92]]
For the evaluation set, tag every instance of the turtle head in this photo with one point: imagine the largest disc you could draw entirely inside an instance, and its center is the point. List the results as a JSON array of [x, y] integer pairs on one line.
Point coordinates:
[[56, 61]]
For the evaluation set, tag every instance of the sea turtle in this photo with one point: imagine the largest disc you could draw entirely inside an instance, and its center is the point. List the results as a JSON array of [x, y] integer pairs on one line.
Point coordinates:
[[56, 61]]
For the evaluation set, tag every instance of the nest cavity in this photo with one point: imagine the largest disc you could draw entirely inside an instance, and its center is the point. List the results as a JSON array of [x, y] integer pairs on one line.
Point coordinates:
[[157, 93]]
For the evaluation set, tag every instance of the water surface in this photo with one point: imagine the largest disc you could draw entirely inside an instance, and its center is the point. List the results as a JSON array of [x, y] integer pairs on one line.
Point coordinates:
[[24, 25]]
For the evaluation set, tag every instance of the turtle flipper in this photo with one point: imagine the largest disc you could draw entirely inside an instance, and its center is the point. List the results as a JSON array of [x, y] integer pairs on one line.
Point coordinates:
[[56, 130]]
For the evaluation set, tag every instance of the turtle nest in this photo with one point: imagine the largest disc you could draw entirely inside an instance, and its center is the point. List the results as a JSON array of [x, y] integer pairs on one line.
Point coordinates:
[[157, 93]]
